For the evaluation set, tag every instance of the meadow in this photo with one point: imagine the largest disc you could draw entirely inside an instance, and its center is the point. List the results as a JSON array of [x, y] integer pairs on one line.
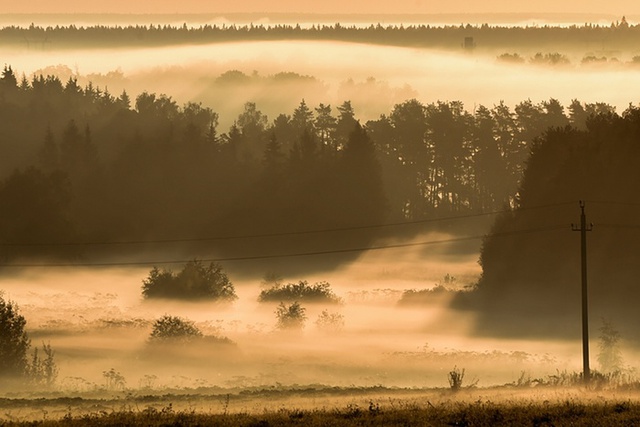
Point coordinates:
[[317, 406]]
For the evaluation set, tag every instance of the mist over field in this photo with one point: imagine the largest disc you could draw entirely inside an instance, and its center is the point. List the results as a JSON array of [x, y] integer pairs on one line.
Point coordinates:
[[96, 320], [277, 75]]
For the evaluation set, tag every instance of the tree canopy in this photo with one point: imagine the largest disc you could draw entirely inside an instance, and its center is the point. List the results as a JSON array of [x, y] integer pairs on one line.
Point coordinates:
[[159, 176], [195, 281], [531, 259]]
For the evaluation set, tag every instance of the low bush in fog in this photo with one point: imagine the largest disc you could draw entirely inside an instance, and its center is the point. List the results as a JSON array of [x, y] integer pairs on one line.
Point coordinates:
[[195, 281], [330, 322], [14, 345], [14, 342], [554, 58], [511, 57], [609, 355], [301, 291], [290, 316], [424, 296], [174, 329]]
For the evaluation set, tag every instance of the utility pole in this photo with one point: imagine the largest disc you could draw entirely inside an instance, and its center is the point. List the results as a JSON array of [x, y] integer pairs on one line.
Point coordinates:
[[586, 372]]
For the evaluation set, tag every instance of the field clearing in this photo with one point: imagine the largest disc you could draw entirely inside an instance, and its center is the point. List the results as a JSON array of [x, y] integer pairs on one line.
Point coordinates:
[[507, 405]]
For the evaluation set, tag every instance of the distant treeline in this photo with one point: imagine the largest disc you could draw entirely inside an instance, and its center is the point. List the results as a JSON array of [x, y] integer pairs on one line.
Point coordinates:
[[82, 165], [588, 37]]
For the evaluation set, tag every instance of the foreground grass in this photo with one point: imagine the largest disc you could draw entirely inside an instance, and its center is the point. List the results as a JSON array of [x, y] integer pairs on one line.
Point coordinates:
[[573, 411], [485, 414]]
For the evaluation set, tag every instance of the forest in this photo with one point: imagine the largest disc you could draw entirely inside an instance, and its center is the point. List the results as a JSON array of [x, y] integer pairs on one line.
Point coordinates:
[[620, 35], [531, 258], [108, 175]]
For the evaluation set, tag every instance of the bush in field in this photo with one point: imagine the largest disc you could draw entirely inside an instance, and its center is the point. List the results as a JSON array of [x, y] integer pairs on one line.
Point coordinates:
[[14, 342], [43, 371], [609, 356], [423, 296], [14, 345], [455, 379], [511, 57], [195, 281], [114, 380], [301, 291], [290, 316], [553, 58], [330, 322], [172, 329]]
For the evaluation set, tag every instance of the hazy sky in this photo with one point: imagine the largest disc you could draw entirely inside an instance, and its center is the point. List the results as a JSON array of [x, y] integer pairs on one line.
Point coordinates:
[[616, 7]]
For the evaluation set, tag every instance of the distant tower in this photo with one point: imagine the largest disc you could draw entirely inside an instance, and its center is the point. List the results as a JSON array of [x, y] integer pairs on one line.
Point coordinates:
[[469, 44]]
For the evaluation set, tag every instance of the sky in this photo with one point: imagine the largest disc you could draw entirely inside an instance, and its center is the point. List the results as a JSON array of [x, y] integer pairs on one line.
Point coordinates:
[[611, 7]]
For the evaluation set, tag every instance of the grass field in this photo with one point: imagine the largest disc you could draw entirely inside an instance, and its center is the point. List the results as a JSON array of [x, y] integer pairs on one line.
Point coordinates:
[[318, 406]]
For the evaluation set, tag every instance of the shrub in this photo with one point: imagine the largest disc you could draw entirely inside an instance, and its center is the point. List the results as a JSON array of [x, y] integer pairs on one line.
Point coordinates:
[[173, 328], [114, 380], [43, 372], [330, 322], [455, 379], [14, 342], [290, 316], [301, 291], [511, 57], [609, 355], [423, 296], [14, 345], [591, 59], [176, 330], [195, 281], [554, 58]]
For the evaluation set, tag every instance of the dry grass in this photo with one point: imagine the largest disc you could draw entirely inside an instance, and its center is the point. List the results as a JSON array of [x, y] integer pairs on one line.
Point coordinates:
[[334, 406]]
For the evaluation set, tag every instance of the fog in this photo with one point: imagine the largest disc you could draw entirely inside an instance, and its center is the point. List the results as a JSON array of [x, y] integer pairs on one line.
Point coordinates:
[[374, 78], [96, 319]]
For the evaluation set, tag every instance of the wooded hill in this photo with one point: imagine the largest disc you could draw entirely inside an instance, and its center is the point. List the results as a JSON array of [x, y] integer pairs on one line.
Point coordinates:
[[80, 165], [531, 280], [619, 36]]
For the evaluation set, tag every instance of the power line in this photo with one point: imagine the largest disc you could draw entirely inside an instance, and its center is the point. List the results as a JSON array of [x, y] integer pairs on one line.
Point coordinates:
[[624, 226], [257, 236], [281, 234], [613, 202], [291, 255]]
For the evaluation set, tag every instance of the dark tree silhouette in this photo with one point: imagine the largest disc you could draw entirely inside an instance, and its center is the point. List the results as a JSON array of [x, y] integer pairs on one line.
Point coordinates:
[[173, 329], [302, 119], [252, 125], [195, 281], [35, 215], [325, 125], [531, 261], [301, 291], [161, 171], [345, 123], [364, 199], [290, 317], [14, 342], [491, 189]]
